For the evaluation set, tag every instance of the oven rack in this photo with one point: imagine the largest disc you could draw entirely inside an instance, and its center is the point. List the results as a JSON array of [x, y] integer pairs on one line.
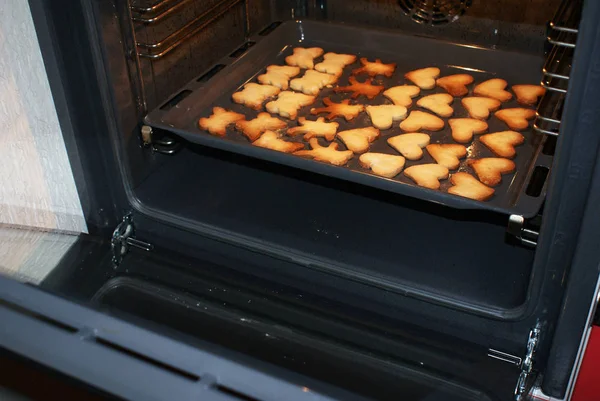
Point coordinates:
[[562, 36]]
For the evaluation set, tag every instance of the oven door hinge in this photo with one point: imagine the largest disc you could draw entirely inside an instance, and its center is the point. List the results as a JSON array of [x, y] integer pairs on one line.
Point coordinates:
[[516, 227], [124, 237], [527, 375]]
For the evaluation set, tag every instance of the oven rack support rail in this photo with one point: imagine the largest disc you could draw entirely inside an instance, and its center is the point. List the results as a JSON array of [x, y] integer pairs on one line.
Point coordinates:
[[561, 36]]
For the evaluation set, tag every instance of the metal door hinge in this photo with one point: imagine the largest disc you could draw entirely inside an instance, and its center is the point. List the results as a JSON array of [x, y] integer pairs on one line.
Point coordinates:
[[525, 381], [516, 227], [124, 237]]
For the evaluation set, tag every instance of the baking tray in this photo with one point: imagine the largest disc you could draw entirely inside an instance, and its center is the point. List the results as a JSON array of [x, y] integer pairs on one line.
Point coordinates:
[[515, 195]]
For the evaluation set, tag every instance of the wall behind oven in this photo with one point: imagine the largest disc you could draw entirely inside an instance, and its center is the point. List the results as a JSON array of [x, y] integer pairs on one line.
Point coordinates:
[[37, 188]]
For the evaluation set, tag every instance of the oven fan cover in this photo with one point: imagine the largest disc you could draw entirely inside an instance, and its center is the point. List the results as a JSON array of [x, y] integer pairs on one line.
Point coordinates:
[[434, 12]]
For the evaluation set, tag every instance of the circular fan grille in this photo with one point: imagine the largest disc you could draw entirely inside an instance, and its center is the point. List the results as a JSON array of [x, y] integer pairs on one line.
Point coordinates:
[[434, 12]]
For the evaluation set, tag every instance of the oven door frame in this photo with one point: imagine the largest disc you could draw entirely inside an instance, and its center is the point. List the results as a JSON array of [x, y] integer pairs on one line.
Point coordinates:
[[79, 75]]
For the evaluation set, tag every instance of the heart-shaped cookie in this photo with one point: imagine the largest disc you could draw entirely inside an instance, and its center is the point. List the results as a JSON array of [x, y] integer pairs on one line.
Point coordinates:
[[517, 118], [503, 143], [480, 107], [427, 175], [359, 139], [528, 94], [489, 170], [467, 186], [418, 120], [448, 155], [402, 95], [383, 116], [493, 88], [410, 145], [423, 78], [464, 128], [382, 164], [438, 103], [456, 85]]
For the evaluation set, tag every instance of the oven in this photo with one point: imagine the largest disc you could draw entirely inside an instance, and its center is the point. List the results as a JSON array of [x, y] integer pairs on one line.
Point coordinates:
[[329, 279]]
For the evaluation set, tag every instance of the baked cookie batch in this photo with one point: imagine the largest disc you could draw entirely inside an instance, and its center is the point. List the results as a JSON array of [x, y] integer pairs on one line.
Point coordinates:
[[287, 89]]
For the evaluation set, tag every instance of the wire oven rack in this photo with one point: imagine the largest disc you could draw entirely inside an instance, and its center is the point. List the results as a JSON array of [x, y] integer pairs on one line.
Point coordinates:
[[562, 37]]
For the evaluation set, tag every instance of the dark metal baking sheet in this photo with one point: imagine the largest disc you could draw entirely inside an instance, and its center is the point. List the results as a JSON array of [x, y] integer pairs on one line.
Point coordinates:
[[409, 52]]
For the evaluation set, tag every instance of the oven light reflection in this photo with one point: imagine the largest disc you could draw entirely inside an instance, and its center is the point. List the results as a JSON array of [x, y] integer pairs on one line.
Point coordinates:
[[466, 68]]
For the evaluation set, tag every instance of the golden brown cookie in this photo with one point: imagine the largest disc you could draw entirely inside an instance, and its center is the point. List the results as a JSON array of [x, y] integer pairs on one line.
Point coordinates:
[[427, 175], [278, 76], [312, 82], [402, 95], [517, 118], [423, 78], [456, 85], [263, 122], [328, 154], [334, 63], [253, 95], [528, 94], [438, 103], [383, 116], [217, 123], [271, 140], [344, 109], [418, 120], [361, 88], [382, 164], [489, 170], [375, 68], [358, 140], [503, 143], [493, 88], [410, 145], [304, 58], [288, 103], [467, 186], [448, 155], [480, 107], [464, 128], [313, 129]]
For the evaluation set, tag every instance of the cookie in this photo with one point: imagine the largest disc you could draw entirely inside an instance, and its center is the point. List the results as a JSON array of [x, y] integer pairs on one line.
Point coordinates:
[[361, 88], [304, 58], [448, 155], [278, 76], [358, 140], [217, 123], [410, 145], [427, 175], [489, 170], [467, 186], [253, 95], [438, 103], [288, 103], [334, 63], [480, 107], [517, 118], [312, 82], [375, 68], [402, 95], [528, 94], [423, 78], [382, 164], [384, 116], [263, 122], [464, 128], [503, 143], [493, 88], [271, 140], [418, 120], [313, 129], [344, 109], [456, 85], [328, 154]]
